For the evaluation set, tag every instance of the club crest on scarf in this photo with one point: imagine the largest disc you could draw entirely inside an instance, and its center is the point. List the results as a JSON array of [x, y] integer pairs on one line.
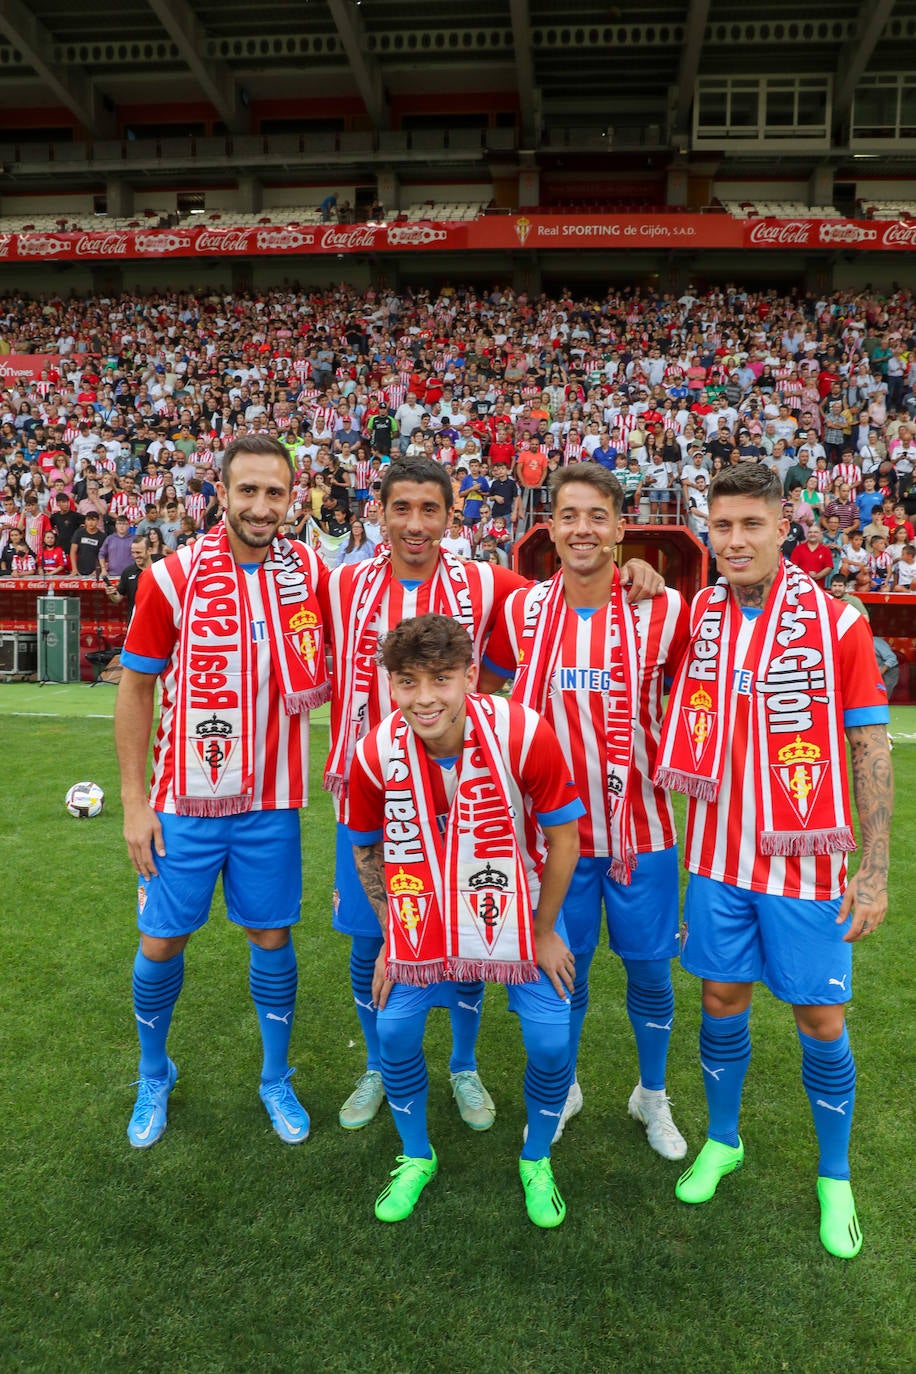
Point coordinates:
[[701, 721], [304, 635], [409, 904], [489, 900], [800, 772], [214, 745]]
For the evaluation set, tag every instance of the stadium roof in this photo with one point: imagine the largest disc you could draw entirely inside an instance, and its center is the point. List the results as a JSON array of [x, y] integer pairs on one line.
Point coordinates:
[[567, 62]]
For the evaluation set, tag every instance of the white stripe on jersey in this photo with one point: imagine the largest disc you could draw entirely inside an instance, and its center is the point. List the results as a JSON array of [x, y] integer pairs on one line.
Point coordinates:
[[281, 742], [723, 839], [578, 714]]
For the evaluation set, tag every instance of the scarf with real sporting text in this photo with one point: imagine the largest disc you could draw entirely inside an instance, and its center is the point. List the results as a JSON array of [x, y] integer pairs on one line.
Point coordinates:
[[450, 595], [217, 671], [795, 722], [459, 906], [540, 644]]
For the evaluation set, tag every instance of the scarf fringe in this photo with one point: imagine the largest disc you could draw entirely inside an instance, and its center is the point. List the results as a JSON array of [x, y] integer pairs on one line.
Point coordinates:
[[621, 869], [294, 703], [417, 975], [780, 842], [703, 789], [212, 806], [511, 972]]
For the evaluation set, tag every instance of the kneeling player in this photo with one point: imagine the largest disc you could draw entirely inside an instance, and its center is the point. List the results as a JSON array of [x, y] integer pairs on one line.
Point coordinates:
[[463, 820]]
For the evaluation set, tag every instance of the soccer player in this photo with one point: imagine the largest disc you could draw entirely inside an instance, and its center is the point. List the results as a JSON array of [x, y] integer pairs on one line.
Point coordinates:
[[463, 820], [592, 665], [367, 601], [775, 672], [232, 626]]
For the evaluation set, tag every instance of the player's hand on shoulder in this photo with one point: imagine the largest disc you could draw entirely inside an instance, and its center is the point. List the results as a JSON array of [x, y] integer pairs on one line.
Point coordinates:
[[641, 580]]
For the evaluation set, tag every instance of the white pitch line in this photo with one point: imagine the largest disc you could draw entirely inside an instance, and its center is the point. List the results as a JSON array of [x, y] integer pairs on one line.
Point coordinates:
[[56, 715]]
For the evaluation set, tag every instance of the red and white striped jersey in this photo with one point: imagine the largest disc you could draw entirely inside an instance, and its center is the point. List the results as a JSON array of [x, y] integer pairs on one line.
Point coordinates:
[[361, 474], [722, 839], [488, 586], [537, 773], [195, 504], [577, 708], [151, 484], [395, 394], [281, 741], [120, 503], [850, 473]]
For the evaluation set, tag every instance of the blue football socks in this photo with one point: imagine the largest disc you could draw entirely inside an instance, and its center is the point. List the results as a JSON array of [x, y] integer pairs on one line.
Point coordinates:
[[725, 1053], [272, 978], [650, 1007], [406, 1080], [363, 955], [156, 986], [829, 1076], [547, 1080], [464, 1013], [578, 1007]]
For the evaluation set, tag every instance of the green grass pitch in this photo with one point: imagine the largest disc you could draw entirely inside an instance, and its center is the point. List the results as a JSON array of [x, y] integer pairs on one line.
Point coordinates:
[[223, 1250]]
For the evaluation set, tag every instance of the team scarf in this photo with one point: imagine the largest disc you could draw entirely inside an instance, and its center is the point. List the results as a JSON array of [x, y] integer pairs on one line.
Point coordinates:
[[458, 904], [541, 641], [450, 595], [795, 725], [217, 669]]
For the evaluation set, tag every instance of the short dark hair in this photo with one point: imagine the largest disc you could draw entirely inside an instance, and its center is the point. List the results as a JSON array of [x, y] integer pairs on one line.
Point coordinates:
[[427, 641], [593, 475], [748, 479], [259, 446], [417, 470]]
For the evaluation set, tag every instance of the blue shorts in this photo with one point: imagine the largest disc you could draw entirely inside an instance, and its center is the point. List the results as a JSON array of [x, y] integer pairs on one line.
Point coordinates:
[[795, 947], [642, 919], [352, 913], [362, 493], [259, 856]]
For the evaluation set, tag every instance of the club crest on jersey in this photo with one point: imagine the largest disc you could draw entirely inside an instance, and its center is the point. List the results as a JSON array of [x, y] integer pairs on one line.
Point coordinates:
[[304, 635], [409, 904], [701, 722], [214, 746], [800, 772], [489, 900]]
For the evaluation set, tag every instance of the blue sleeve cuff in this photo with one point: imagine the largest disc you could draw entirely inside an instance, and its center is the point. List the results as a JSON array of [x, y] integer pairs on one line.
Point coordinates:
[[866, 715], [139, 664], [506, 673], [363, 836], [570, 812]]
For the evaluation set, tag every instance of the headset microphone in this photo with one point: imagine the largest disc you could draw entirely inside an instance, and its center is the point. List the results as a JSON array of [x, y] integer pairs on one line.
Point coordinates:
[[606, 548]]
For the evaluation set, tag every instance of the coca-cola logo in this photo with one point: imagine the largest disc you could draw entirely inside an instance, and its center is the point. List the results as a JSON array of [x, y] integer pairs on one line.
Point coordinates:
[[280, 240], [414, 235], [900, 234], [222, 241], [843, 231], [161, 243], [5, 241], [780, 231], [102, 245], [41, 245], [350, 236]]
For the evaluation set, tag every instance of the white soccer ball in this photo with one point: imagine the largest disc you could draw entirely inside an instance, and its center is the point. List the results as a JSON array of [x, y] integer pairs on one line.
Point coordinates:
[[85, 800]]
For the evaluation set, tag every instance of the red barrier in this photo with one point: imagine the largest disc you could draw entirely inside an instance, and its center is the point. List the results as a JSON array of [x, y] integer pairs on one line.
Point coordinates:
[[490, 232]]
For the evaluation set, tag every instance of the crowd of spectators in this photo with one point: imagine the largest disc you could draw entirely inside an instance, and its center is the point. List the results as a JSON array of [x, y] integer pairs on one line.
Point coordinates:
[[113, 454]]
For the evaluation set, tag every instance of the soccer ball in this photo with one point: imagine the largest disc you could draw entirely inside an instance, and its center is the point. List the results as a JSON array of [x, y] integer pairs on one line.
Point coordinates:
[[85, 799]]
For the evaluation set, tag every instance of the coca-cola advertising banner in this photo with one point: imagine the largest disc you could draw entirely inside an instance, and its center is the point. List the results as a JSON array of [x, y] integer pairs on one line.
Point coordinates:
[[494, 232], [31, 366]]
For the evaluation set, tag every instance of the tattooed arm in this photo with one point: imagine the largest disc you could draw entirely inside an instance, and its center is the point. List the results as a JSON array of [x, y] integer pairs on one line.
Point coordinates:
[[370, 865], [873, 781]]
